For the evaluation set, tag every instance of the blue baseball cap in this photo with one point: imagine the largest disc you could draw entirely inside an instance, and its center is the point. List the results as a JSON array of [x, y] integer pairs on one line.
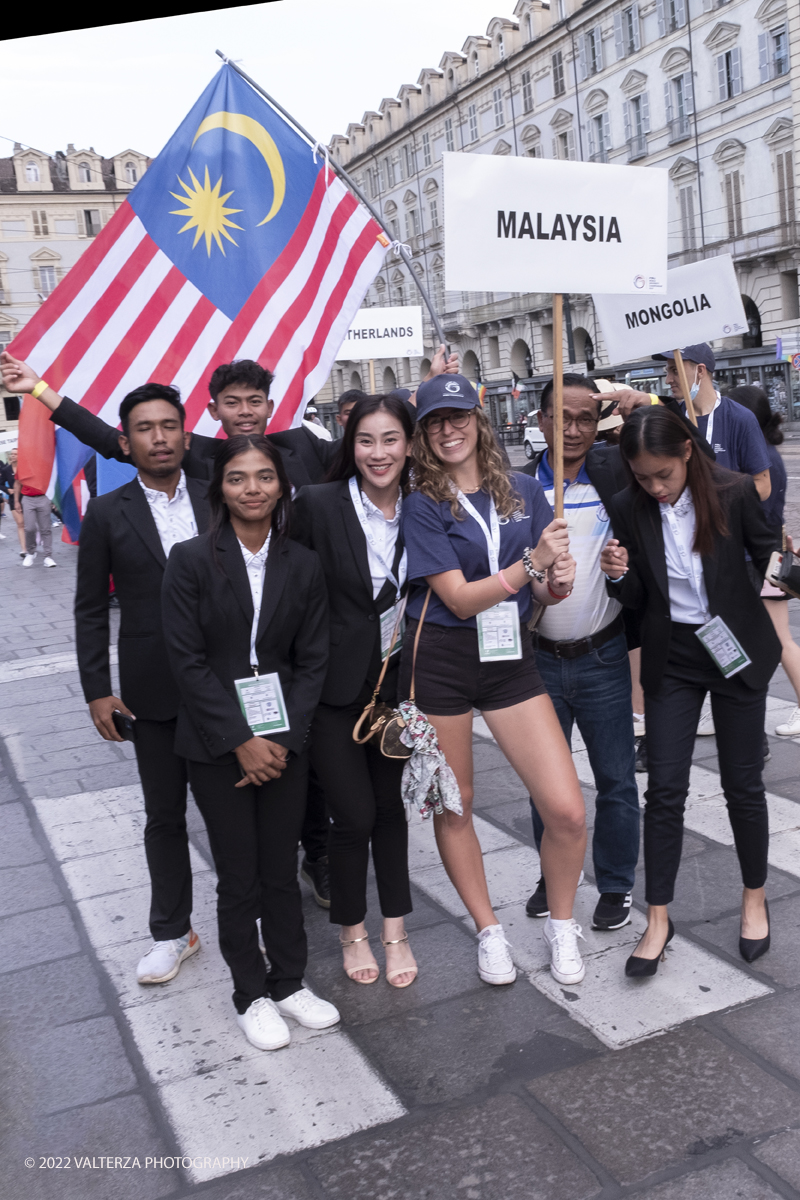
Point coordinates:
[[445, 391], [701, 353]]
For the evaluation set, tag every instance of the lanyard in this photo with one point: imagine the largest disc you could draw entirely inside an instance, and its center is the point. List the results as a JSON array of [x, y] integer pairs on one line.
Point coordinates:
[[710, 426], [493, 538], [692, 563], [358, 505], [257, 611]]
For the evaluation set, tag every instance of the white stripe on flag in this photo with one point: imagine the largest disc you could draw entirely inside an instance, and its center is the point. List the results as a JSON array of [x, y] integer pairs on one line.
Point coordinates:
[[195, 365]]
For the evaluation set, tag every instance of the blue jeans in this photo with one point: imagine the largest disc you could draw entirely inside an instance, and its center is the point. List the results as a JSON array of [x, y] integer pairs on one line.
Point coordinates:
[[594, 691]]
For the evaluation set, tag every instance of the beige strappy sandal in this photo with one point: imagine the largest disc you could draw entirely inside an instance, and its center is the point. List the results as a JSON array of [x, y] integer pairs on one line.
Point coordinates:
[[351, 971], [390, 975]]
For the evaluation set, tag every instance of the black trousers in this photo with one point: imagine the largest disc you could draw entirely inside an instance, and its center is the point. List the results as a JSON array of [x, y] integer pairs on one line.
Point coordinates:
[[314, 836], [671, 716], [254, 833], [362, 794], [166, 843]]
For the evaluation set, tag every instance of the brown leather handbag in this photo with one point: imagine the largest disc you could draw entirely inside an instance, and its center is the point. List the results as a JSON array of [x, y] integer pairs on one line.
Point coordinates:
[[384, 723]]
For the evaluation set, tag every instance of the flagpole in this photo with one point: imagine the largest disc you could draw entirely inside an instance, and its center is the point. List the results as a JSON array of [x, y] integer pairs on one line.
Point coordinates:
[[558, 407], [340, 171]]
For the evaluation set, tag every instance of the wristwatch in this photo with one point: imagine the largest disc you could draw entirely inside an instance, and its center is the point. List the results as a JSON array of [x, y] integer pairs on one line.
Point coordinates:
[[530, 569]]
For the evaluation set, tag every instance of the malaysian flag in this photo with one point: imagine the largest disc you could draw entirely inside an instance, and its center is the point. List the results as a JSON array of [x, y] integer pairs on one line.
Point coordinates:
[[238, 242]]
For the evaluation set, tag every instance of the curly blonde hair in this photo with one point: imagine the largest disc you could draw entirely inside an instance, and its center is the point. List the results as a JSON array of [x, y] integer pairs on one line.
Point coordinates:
[[431, 477]]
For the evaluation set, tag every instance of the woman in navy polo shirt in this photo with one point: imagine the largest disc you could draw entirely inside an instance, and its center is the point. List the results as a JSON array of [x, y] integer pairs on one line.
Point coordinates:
[[486, 543]]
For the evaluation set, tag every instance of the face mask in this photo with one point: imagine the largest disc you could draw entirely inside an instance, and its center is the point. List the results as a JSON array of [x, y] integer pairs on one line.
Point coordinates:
[[695, 388]]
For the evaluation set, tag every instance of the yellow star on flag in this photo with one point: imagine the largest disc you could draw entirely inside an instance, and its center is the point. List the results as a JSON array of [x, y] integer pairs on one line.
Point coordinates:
[[206, 211]]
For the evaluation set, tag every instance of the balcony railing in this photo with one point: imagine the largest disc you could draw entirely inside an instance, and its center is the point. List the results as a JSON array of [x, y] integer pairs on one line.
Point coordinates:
[[600, 156], [637, 147], [679, 129]]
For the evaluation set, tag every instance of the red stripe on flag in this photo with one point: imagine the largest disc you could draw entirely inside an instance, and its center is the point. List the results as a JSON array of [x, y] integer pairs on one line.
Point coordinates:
[[110, 374], [183, 342], [70, 286], [37, 445], [100, 314]]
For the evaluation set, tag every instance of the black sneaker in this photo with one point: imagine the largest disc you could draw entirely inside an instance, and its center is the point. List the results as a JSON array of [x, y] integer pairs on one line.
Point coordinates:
[[640, 746], [613, 910], [537, 903], [316, 876]]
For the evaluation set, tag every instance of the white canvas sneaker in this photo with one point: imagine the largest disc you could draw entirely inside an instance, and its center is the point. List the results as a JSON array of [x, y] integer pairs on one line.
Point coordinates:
[[29, 559], [790, 728], [566, 964], [495, 964], [308, 1010], [263, 1025], [48, 562], [163, 961]]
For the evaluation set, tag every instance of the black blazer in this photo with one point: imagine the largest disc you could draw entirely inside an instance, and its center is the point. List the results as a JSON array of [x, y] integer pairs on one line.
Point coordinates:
[[208, 615], [731, 595], [305, 457], [324, 519], [119, 538]]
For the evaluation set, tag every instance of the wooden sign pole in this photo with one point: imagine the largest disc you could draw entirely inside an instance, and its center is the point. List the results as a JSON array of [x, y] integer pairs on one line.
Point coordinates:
[[681, 369], [558, 407], [371, 377]]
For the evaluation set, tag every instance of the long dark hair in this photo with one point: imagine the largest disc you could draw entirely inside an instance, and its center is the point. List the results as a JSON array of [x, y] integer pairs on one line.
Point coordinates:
[[660, 432], [754, 398], [344, 464], [231, 448]]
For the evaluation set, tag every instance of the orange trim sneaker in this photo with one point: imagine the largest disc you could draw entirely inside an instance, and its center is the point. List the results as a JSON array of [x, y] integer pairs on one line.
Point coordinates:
[[163, 961]]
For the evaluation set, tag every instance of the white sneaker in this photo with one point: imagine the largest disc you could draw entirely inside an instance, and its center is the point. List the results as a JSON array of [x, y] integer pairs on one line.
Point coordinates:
[[163, 961], [28, 559], [566, 965], [790, 728], [2, 537], [638, 728], [705, 726], [263, 1025], [48, 562], [308, 1010], [495, 964]]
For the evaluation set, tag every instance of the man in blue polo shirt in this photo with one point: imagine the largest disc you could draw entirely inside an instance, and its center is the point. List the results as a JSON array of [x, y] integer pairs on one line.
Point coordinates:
[[582, 653]]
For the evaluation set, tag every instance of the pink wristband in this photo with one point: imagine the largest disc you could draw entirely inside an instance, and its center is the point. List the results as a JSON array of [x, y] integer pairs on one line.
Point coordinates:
[[511, 591]]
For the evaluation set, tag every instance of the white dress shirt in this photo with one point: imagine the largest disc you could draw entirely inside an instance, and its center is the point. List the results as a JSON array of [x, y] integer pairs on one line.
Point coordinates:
[[688, 599], [174, 518], [254, 565], [385, 534]]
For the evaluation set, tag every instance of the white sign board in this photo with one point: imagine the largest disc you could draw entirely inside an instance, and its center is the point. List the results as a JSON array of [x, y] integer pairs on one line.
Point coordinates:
[[702, 303], [8, 440], [540, 225], [383, 333]]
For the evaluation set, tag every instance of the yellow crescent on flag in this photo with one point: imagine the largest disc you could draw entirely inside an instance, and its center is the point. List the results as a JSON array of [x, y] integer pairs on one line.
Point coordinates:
[[248, 128]]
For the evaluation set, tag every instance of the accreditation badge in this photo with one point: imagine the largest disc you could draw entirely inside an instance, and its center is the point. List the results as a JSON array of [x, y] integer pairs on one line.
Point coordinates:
[[726, 651], [261, 701], [498, 632], [393, 619]]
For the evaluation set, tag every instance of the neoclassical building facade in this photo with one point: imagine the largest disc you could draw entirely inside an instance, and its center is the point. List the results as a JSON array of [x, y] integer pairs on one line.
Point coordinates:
[[698, 88]]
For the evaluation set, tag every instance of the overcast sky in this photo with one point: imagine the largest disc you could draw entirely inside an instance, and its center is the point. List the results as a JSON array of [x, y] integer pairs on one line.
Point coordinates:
[[128, 86]]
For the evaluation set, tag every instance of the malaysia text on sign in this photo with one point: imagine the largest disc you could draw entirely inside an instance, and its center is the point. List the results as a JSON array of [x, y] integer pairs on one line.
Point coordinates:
[[702, 303], [532, 224], [384, 333]]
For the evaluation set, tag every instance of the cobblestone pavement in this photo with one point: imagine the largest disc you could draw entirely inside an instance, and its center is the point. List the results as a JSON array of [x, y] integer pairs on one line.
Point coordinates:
[[684, 1088]]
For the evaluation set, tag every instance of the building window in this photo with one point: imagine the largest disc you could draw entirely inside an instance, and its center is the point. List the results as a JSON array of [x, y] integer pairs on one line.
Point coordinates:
[[472, 114], [671, 15], [637, 125], [499, 114], [773, 54], [729, 74], [91, 220], [394, 228], [412, 223], [590, 52], [433, 206], [599, 129], [536, 151], [40, 227], [131, 174], [426, 150], [733, 203], [501, 47], [688, 230], [388, 166], [679, 98], [528, 28], [449, 140], [564, 145], [785, 170], [559, 86], [84, 173], [476, 65], [32, 172], [627, 36], [428, 96], [47, 280], [527, 92], [411, 162]]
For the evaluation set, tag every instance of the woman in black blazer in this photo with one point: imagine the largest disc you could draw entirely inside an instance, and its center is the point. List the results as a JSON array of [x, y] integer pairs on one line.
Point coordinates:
[[683, 528], [353, 524], [241, 602]]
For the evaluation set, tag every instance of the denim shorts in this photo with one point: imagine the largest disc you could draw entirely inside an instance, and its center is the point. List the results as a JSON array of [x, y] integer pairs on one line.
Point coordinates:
[[451, 680]]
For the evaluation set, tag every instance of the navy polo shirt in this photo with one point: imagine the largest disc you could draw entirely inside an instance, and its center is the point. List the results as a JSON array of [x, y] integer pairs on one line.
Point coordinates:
[[736, 437]]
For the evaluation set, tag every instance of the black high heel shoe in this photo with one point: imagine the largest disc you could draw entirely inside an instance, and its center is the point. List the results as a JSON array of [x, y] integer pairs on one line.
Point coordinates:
[[752, 948], [640, 968]]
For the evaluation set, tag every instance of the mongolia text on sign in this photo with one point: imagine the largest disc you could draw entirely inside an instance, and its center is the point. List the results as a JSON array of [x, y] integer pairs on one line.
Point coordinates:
[[383, 333], [702, 303], [538, 225]]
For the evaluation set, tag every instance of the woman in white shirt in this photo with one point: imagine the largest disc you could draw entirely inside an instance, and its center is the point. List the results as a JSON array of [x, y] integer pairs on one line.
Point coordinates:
[[353, 523], [683, 527]]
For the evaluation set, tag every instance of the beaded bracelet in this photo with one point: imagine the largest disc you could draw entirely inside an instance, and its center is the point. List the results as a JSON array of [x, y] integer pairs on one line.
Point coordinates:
[[530, 569]]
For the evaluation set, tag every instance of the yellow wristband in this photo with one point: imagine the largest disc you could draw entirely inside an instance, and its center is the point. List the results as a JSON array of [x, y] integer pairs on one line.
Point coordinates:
[[41, 386], [654, 398]]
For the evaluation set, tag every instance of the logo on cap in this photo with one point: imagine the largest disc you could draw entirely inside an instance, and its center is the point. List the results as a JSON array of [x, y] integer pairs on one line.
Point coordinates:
[[454, 389]]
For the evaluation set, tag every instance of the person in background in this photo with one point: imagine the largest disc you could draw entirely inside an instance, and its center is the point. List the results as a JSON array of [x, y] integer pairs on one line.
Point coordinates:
[[683, 528], [353, 523], [36, 508], [312, 423], [776, 602], [6, 491], [13, 501], [345, 405]]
